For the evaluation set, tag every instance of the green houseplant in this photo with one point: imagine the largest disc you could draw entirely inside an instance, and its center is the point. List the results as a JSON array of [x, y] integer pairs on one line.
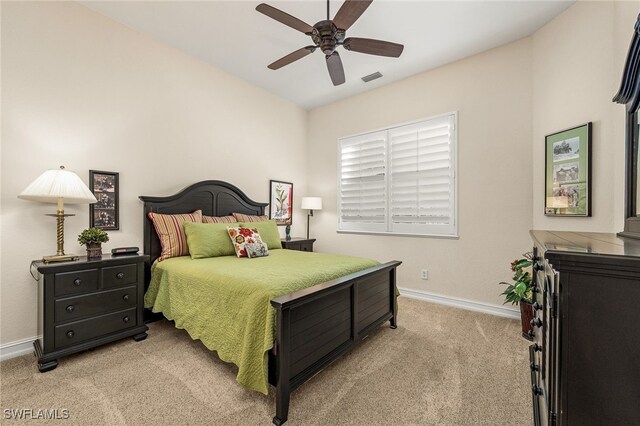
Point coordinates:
[[93, 239], [519, 292]]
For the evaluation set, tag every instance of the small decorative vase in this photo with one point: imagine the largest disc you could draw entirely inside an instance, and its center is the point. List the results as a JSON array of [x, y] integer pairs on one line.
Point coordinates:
[[526, 315], [94, 251], [287, 231]]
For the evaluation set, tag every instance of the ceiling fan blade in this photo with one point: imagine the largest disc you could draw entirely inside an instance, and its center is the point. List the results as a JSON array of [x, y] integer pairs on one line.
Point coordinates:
[[284, 18], [291, 57], [373, 47], [336, 71], [349, 13]]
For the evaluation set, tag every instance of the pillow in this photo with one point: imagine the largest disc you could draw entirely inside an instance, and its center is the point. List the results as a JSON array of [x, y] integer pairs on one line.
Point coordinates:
[[208, 239], [249, 218], [218, 219], [241, 236], [256, 250], [268, 230], [171, 233]]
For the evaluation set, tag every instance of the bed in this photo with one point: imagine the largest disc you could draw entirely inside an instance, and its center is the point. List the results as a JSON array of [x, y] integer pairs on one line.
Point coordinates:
[[313, 325]]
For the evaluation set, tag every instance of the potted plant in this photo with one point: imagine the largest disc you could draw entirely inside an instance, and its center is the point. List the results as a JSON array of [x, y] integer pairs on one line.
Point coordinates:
[[93, 239], [519, 292]]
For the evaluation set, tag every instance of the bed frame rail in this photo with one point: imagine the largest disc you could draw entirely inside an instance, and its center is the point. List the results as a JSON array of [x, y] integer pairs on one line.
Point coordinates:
[[319, 324]]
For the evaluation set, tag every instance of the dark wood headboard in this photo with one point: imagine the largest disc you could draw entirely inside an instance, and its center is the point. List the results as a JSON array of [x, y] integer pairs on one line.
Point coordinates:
[[213, 197]]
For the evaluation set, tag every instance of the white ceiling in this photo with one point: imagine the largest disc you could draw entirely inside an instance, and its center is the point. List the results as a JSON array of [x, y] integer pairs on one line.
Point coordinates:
[[233, 36]]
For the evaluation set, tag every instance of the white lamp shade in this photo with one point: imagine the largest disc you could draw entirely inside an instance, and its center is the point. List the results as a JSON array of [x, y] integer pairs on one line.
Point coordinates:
[[311, 203], [52, 185]]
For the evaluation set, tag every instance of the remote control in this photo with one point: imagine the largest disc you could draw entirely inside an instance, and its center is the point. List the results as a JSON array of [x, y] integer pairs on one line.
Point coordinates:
[[124, 250]]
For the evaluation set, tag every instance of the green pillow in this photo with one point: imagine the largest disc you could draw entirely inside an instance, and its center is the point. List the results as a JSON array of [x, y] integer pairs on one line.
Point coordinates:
[[268, 231], [209, 239]]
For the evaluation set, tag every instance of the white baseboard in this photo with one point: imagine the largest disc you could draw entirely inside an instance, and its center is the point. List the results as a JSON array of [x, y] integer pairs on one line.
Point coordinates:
[[455, 302], [25, 346], [17, 348]]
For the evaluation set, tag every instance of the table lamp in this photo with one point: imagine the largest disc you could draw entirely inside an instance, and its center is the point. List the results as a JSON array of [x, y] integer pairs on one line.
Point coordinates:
[[311, 204], [59, 186]]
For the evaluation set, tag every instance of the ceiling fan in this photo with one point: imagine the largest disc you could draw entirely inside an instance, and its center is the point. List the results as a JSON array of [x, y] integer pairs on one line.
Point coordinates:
[[329, 34]]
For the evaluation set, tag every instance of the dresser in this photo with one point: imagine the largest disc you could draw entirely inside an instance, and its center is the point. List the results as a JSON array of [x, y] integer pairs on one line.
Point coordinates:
[[84, 304], [586, 353], [300, 244]]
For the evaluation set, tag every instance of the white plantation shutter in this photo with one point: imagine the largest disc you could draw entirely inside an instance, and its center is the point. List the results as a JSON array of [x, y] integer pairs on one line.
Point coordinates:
[[363, 184], [421, 177], [400, 180]]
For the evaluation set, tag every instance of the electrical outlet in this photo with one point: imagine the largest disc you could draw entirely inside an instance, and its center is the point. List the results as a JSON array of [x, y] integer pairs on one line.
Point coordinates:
[[424, 274]]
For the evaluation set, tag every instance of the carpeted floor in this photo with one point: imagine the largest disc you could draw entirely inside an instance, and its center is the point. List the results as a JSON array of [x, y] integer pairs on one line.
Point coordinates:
[[441, 366]]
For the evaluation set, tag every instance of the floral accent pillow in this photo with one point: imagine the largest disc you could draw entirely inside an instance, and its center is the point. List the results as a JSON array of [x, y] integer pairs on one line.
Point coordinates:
[[241, 236], [256, 250]]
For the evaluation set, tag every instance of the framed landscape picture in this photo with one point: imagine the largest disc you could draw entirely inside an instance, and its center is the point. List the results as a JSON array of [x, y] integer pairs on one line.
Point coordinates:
[[281, 202], [568, 172], [104, 213]]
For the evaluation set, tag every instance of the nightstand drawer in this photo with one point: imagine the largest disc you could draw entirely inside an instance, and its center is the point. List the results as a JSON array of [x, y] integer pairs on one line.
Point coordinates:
[[76, 282], [306, 247], [115, 276], [78, 331], [72, 308]]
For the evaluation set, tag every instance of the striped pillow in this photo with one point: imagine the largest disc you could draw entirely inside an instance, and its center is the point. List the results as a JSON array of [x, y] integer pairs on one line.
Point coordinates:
[[249, 218], [171, 232], [218, 219]]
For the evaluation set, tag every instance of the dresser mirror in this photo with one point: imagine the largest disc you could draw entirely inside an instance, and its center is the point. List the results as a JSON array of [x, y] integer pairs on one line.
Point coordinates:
[[629, 95]]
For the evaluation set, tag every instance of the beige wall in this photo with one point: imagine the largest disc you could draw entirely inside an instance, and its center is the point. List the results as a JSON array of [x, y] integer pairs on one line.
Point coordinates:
[[577, 66], [492, 94], [509, 99], [81, 90]]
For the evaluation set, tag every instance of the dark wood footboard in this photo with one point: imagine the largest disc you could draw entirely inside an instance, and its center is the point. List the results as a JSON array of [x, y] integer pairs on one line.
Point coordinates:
[[318, 324]]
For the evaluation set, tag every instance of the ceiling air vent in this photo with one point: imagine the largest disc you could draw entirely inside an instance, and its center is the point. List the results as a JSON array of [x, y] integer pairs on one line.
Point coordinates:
[[368, 78]]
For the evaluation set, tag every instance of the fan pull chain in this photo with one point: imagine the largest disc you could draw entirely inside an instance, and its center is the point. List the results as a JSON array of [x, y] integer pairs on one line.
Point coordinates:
[[328, 18]]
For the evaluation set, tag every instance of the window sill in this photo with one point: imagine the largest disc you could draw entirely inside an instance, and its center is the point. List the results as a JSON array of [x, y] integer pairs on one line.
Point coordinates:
[[396, 234]]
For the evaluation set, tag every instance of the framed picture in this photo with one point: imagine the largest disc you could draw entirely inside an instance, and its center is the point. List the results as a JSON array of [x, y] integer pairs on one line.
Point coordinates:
[[568, 172], [104, 213], [281, 202]]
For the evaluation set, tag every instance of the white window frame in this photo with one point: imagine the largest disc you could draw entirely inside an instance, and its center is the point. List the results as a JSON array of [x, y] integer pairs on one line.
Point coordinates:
[[435, 231]]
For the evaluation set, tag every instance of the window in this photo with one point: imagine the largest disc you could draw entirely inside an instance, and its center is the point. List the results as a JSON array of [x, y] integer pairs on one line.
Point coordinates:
[[400, 180]]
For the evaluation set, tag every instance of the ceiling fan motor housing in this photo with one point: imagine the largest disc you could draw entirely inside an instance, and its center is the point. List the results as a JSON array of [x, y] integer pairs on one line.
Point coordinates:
[[327, 36]]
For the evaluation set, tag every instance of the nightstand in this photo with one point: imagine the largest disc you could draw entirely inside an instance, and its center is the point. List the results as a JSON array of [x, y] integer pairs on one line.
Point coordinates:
[[88, 303], [301, 244]]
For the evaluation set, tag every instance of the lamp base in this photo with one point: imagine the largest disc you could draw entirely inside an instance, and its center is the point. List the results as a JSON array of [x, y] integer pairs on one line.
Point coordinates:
[[60, 258]]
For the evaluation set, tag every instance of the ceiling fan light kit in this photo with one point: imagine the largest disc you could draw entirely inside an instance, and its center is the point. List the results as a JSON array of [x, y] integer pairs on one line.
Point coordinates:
[[327, 35]]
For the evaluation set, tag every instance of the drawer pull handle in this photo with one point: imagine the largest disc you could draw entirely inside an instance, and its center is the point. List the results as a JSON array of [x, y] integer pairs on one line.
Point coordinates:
[[120, 275], [534, 367], [538, 266], [77, 282], [125, 319], [70, 334], [125, 297], [531, 334], [537, 322], [70, 308], [537, 347], [537, 306], [536, 390]]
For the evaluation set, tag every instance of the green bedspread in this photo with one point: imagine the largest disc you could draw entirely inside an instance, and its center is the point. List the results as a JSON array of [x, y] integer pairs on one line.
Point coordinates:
[[225, 301]]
